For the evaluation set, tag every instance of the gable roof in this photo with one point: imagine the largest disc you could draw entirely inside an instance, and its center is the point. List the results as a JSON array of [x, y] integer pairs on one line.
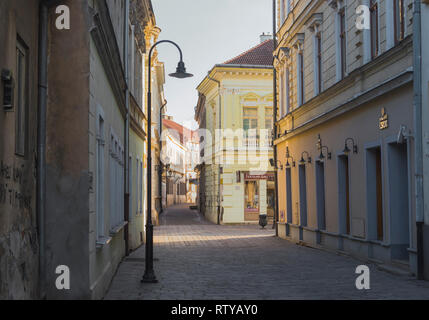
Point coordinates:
[[260, 55], [181, 132]]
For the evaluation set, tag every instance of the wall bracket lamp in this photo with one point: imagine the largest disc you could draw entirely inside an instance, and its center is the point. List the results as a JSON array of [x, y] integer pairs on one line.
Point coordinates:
[[303, 161], [288, 156], [354, 146], [320, 147], [7, 79], [275, 165]]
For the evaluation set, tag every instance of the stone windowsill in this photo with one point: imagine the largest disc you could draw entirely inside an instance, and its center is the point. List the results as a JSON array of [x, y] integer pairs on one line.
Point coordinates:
[[116, 229]]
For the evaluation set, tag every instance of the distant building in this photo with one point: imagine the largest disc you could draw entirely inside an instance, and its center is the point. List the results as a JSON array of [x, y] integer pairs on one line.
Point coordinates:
[[180, 152], [235, 114]]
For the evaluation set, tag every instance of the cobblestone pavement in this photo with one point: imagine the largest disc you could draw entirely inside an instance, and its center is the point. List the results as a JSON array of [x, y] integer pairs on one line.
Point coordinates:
[[195, 259]]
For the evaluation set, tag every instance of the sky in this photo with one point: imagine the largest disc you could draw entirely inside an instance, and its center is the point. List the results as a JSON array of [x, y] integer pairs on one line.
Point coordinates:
[[208, 32]]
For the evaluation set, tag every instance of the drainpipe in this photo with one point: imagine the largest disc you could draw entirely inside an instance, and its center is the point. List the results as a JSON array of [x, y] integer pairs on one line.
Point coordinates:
[[418, 148], [127, 126], [161, 165], [41, 140], [220, 127], [276, 211]]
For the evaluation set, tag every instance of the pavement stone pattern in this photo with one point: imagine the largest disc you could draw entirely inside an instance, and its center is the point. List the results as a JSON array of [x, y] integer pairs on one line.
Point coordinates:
[[195, 259]]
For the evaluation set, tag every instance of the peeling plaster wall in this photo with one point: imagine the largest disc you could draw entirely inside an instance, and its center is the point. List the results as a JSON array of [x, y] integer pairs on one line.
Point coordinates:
[[19, 251]]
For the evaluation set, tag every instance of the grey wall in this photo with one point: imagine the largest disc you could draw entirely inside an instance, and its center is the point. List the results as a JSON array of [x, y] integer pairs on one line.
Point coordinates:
[[68, 179]]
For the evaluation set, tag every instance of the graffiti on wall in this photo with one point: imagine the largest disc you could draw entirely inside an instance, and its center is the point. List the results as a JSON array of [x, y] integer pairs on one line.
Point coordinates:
[[12, 177]]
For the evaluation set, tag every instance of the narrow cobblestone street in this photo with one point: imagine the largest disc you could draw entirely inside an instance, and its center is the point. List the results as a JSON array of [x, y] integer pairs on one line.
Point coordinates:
[[195, 259]]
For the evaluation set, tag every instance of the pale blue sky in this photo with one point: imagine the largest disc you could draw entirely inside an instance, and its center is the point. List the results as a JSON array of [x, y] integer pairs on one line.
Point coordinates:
[[209, 32]]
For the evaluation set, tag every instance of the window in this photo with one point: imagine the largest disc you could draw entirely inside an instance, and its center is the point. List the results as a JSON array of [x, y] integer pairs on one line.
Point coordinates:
[[282, 95], [141, 188], [344, 194], [342, 40], [287, 86], [130, 183], [250, 125], [138, 190], [268, 118], [399, 19], [374, 28], [21, 94], [318, 63], [300, 72], [100, 178], [282, 11], [116, 164]]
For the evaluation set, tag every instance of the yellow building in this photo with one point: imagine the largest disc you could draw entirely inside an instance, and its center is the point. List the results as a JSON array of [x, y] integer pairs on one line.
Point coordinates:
[[234, 113]]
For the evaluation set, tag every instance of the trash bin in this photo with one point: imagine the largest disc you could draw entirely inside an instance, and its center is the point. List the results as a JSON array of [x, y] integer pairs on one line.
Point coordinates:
[[263, 220]]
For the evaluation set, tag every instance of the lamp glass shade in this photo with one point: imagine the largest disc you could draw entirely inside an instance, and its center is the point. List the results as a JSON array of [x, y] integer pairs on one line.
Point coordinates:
[[181, 72], [346, 150]]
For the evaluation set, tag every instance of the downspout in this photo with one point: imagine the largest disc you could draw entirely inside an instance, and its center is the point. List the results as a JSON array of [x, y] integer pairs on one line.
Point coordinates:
[[127, 126], [418, 148], [276, 211], [161, 165], [220, 127], [41, 140]]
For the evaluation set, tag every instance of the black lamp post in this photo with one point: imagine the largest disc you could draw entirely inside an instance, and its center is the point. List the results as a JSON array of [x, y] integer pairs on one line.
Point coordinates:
[[149, 274]]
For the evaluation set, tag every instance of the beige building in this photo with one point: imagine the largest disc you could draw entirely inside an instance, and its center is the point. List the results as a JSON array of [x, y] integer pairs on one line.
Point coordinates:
[[345, 126], [234, 112], [71, 184]]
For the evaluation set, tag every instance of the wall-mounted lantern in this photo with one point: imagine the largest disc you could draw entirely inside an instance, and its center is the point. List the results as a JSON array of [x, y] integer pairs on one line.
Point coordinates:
[[7, 79], [288, 156], [354, 146], [320, 147], [275, 165], [303, 161]]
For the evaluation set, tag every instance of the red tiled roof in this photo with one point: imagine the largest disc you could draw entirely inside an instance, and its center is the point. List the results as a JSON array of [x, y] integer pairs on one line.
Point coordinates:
[[184, 134], [261, 55]]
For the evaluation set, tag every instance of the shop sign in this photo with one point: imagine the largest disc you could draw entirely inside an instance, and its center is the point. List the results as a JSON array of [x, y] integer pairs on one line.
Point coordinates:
[[265, 176], [384, 120]]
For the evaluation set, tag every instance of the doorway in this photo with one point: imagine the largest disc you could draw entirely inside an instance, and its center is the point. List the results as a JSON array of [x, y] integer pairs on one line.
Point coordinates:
[[320, 195], [375, 207], [344, 194], [398, 200], [302, 195]]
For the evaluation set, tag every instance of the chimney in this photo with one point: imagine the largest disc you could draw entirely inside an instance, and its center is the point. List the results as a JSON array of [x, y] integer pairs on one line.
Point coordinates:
[[265, 36]]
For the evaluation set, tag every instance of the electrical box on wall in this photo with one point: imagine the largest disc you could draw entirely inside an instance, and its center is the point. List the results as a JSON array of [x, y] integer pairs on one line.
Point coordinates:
[[7, 81]]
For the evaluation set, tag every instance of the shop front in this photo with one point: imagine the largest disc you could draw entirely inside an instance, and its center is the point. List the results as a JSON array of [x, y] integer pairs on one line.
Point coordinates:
[[258, 195]]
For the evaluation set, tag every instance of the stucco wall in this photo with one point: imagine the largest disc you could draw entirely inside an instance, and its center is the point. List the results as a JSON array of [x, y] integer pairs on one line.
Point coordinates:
[[19, 252], [68, 171]]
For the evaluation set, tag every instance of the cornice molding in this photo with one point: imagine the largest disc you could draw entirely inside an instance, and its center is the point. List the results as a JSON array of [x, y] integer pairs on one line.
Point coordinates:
[[106, 44]]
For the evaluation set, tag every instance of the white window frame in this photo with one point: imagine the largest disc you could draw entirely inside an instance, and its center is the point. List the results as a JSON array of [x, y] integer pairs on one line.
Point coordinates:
[[21, 98]]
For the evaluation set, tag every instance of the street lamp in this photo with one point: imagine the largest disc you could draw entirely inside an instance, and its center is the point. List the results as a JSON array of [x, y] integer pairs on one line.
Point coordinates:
[[149, 274]]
